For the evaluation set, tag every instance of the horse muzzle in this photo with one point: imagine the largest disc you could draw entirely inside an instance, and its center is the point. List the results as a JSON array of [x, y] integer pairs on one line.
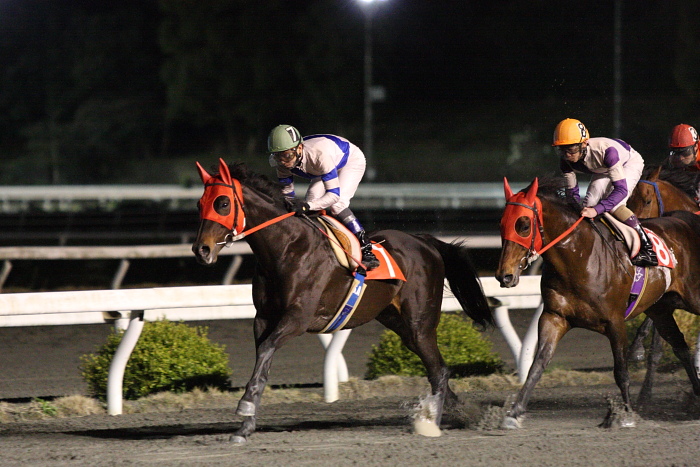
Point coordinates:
[[204, 254]]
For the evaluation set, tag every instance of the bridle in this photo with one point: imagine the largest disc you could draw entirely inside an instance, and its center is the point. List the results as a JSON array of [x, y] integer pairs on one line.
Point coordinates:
[[235, 221], [528, 205], [536, 227], [658, 195]]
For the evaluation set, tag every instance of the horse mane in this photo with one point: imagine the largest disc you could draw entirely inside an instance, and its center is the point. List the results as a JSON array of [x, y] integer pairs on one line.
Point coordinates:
[[552, 188], [256, 181], [680, 178]]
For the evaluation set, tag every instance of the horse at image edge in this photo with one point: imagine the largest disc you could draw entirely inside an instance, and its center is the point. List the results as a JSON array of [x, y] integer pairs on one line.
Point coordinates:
[[587, 278]]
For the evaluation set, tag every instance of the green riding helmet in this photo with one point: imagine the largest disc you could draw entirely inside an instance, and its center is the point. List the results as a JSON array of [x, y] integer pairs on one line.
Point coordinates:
[[283, 137]]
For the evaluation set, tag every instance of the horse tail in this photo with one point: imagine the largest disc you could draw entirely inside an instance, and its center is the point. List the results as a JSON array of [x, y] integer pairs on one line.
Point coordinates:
[[463, 280]]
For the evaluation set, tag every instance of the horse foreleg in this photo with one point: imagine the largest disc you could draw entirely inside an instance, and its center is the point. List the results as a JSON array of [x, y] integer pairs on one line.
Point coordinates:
[[551, 329], [268, 340], [653, 359], [248, 405]]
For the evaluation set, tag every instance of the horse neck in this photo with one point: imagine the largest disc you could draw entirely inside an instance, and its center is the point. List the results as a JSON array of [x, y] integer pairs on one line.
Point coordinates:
[[566, 251], [269, 242], [675, 199]]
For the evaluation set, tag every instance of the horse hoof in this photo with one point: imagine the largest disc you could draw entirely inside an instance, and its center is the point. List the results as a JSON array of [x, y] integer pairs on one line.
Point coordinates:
[[426, 428], [511, 423], [236, 439], [246, 409], [628, 421], [636, 355]]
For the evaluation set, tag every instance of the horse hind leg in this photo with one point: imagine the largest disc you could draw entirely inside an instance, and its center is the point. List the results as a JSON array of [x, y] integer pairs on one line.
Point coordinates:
[[636, 350], [668, 328], [423, 342], [653, 359]]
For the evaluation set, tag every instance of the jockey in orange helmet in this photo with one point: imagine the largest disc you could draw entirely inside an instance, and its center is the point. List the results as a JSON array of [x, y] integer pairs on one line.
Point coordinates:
[[615, 167], [683, 147]]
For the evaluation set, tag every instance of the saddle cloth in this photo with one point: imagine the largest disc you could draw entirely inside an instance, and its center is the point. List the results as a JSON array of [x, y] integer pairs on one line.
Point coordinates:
[[627, 234], [342, 241]]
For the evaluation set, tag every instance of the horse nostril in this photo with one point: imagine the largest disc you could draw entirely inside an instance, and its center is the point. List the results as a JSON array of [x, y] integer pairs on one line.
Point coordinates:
[[507, 279]]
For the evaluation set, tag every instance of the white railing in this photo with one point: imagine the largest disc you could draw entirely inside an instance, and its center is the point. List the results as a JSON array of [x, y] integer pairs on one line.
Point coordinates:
[[211, 303], [369, 196], [179, 250]]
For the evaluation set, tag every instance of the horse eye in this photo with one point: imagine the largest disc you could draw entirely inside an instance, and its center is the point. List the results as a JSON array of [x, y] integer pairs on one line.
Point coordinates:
[[522, 226]]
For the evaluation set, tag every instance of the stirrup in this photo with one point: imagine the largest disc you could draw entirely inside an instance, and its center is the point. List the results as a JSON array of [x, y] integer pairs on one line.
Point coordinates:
[[645, 258], [369, 260]]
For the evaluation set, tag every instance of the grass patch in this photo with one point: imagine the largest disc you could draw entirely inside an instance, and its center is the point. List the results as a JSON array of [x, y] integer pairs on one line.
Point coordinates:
[[354, 389]]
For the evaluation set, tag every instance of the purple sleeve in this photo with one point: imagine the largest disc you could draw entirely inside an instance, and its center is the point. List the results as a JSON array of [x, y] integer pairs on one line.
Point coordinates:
[[611, 157], [618, 193], [572, 194]]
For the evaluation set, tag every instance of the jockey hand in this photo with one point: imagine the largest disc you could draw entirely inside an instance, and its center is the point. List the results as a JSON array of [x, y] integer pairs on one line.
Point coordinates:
[[297, 206], [589, 212]]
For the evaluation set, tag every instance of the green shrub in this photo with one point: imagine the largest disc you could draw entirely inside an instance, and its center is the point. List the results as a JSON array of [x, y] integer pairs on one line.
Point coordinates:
[[168, 357], [465, 351]]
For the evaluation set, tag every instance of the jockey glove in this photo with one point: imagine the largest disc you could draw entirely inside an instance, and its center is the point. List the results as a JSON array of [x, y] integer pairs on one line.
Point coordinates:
[[298, 206]]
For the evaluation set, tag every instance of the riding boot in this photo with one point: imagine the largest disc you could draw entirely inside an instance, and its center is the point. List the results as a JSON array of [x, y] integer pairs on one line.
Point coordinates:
[[646, 255], [368, 259], [348, 218]]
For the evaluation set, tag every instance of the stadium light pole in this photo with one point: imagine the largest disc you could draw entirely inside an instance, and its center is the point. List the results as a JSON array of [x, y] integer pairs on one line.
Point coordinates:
[[369, 7]]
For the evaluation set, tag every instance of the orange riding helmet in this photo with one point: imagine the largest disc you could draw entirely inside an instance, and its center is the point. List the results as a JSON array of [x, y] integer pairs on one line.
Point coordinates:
[[569, 131]]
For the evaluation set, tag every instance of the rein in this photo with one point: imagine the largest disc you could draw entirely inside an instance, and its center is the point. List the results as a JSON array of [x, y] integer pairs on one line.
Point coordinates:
[[244, 234], [658, 195]]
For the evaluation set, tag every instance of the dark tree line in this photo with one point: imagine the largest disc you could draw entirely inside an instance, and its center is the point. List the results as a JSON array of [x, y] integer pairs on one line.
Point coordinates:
[[89, 85]]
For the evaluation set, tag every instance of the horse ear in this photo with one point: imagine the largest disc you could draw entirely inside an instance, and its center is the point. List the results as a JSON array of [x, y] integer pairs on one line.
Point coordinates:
[[506, 188], [532, 192], [224, 172], [655, 174], [203, 174]]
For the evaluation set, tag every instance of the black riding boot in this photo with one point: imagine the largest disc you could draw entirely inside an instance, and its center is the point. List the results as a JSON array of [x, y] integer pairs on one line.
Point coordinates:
[[646, 255], [368, 259]]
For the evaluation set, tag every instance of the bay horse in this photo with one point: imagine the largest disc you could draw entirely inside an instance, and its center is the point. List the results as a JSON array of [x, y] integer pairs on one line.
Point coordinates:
[[587, 278], [298, 285], [660, 190]]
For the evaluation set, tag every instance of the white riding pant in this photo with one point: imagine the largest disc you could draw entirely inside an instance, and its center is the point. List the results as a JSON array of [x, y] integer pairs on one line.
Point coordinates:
[[348, 177], [601, 186]]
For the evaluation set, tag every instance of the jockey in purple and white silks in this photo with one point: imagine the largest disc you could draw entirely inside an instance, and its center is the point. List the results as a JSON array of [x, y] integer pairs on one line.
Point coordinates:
[[615, 167], [334, 166]]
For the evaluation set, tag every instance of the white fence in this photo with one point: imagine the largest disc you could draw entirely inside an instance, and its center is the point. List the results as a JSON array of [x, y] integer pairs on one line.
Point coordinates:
[[179, 250], [216, 302]]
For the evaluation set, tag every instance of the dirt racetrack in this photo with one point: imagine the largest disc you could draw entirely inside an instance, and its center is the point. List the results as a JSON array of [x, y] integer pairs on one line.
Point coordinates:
[[561, 428]]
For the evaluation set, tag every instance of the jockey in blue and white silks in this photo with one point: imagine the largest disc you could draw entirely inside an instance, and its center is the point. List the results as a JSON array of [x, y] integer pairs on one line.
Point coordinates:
[[334, 166], [615, 167]]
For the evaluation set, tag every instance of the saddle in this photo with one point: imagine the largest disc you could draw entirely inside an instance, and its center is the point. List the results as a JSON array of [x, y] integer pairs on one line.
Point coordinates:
[[627, 234], [343, 241]]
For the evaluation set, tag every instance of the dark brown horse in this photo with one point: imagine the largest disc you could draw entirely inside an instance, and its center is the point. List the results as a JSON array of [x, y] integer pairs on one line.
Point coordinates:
[[659, 191], [587, 278], [298, 284]]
